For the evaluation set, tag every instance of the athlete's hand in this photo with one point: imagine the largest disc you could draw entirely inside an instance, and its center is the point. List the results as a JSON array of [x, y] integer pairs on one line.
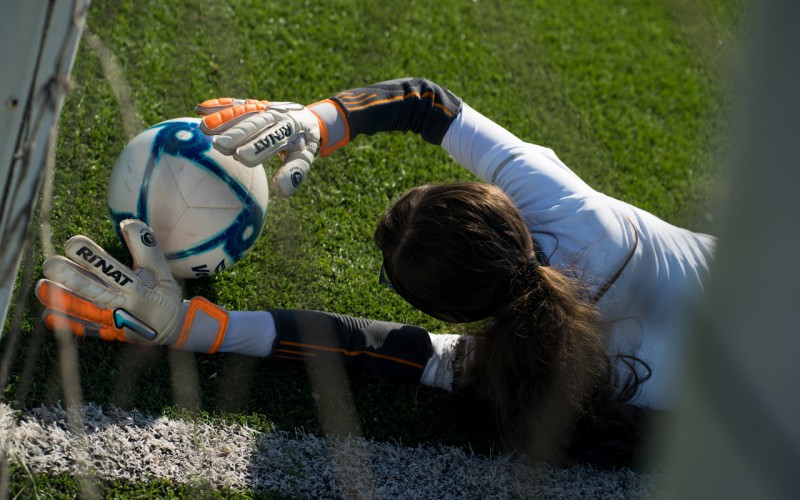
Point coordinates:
[[91, 293], [253, 131]]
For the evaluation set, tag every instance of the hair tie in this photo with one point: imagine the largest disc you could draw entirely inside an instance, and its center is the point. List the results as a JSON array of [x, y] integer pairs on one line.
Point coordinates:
[[532, 265], [524, 276]]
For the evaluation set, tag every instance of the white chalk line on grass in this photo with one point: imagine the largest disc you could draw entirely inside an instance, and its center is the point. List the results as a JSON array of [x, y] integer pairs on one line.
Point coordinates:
[[138, 448]]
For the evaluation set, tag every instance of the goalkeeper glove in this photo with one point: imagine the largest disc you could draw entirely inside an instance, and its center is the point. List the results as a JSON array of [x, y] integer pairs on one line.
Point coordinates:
[[252, 131], [92, 294]]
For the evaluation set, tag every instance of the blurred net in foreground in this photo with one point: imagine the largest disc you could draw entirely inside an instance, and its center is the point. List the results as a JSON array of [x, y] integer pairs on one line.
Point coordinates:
[[39, 40]]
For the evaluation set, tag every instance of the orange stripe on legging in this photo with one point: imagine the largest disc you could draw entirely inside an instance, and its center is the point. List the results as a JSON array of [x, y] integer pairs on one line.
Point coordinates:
[[298, 353], [348, 101], [353, 353], [291, 358]]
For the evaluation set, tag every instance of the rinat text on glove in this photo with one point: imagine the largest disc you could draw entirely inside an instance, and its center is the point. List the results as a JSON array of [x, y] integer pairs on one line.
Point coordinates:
[[107, 268], [273, 138]]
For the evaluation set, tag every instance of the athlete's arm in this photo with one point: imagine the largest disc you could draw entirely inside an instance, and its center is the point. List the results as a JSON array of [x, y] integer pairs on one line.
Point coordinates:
[[254, 131], [92, 294], [526, 172], [400, 351]]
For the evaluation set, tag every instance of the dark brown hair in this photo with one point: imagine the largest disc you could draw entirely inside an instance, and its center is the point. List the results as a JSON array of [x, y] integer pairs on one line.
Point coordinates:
[[462, 253]]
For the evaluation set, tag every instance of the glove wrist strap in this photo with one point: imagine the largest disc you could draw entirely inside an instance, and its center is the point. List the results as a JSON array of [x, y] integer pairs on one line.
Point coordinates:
[[204, 327], [333, 127]]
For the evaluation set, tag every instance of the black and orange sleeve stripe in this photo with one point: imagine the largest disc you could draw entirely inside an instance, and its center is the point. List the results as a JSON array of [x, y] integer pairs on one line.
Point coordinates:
[[409, 104], [393, 349]]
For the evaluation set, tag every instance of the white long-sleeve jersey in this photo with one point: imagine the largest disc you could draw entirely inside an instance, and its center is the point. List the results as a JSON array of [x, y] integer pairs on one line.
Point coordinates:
[[589, 234]]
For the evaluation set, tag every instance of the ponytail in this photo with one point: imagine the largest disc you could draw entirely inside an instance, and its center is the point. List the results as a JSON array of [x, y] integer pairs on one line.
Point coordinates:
[[538, 361]]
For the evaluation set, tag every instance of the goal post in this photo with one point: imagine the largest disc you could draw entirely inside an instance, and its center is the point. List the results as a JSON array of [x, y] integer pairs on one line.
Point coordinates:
[[39, 39]]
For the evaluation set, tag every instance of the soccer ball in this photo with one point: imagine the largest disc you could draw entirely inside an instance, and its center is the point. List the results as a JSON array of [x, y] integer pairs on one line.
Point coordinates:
[[205, 209]]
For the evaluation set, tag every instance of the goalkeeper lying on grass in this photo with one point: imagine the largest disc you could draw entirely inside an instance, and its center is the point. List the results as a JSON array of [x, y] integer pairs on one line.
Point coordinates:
[[581, 297]]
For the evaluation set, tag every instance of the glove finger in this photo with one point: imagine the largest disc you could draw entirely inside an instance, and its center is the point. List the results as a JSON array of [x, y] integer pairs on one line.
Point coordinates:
[[74, 277], [213, 105], [56, 321], [69, 310], [227, 117], [293, 170], [88, 254], [59, 298], [147, 255]]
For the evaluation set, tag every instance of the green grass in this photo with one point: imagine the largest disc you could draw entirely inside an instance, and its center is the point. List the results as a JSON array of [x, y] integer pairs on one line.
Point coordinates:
[[632, 98]]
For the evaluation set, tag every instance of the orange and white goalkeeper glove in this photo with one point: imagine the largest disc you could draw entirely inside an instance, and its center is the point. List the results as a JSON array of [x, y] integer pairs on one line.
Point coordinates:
[[253, 131], [92, 294]]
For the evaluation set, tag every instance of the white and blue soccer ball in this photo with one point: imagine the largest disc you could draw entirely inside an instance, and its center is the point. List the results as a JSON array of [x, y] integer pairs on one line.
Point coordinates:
[[205, 209]]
